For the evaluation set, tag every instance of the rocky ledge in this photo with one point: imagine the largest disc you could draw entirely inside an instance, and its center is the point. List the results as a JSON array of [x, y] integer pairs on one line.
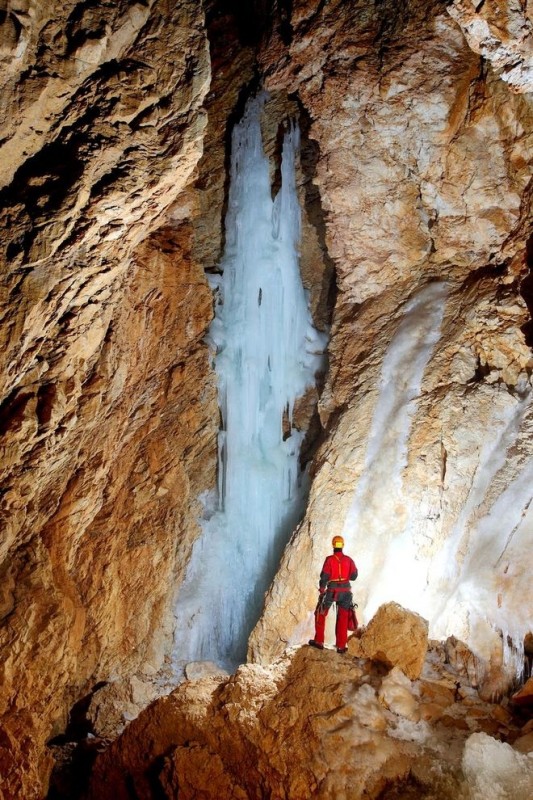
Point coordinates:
[[319, 724]]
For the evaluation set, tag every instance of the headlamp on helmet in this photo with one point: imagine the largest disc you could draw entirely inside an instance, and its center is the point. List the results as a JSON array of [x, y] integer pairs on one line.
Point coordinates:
[[337, 542]]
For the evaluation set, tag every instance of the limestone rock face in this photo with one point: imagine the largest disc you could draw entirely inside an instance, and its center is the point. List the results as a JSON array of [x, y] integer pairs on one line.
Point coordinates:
[[313, 724], [424, 175], [415, 171], [502, 31], [395, 637], [108, 411]]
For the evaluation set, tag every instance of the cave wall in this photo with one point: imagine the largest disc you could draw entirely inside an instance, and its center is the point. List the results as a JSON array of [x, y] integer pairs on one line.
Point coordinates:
[[424, 175], [108, 415], [115, 120]]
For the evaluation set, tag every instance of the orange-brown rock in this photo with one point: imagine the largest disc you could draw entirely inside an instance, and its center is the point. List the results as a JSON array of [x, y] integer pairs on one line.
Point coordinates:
[[395, 637], [438, 692], [108, 410], [502, 31], [528, 727], [312, 724], [98, 575], [524, 744], [524, 697], [459, 655], [114, 704]]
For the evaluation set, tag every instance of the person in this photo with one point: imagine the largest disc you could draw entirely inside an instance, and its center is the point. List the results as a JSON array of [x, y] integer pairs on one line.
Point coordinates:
[[334, 587]]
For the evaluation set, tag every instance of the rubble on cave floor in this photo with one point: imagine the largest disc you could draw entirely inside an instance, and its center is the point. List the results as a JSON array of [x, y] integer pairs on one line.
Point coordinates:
[[319, 724]]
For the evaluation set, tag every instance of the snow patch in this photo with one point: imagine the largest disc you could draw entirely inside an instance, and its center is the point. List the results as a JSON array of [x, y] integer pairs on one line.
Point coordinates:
[[494, 771]]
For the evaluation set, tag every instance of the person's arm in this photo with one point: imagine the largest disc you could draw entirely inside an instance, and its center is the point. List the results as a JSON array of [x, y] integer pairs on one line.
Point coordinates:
[[324, 577], [354, 573]]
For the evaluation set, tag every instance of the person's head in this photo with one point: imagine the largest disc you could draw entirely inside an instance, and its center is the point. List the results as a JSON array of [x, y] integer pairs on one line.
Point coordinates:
[[337, 542]]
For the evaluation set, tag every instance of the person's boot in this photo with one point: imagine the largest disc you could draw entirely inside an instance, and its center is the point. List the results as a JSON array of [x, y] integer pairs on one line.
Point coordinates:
[[342, 650], [315, 644]]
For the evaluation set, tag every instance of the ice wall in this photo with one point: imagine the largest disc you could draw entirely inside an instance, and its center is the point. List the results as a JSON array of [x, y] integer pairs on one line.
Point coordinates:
[[388, 552], [267, 353], [486, 562]]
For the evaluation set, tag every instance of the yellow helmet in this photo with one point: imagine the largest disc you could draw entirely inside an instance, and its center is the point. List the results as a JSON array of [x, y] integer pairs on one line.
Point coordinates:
[[337, 542]]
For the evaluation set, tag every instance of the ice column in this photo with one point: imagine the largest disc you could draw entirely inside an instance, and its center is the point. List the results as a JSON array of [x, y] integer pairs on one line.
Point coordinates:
[[267, 354]]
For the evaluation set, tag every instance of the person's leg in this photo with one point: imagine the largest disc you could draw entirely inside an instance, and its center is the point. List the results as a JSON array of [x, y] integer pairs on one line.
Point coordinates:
[[341, 627], [344, 602], [320, 625], [320, 620]]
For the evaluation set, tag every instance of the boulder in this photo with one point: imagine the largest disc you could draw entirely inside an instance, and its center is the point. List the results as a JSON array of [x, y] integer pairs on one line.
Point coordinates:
[[118, 702], [203, 669], [395, 637]]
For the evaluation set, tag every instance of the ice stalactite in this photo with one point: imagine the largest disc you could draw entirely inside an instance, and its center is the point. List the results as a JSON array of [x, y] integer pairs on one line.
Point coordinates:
[[267, 354], [379, 491]]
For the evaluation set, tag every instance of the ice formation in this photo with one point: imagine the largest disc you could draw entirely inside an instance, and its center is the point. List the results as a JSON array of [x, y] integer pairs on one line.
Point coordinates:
[[267, 354], [494, 771], [452, 582], [367, 525], [495, 537]]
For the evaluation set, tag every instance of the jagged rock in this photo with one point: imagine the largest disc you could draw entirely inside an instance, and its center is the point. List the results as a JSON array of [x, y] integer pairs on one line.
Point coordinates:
[[524, 697], [502, 31], [396, 637], [118, 702], [202, 669], [462, 659], [312, 724], [108, 408]]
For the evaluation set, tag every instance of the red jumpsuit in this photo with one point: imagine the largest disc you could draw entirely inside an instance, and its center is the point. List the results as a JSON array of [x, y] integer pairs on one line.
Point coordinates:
[[337, 572]]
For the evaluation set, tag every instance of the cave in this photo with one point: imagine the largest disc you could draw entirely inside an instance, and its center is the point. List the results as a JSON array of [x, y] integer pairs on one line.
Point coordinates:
[[266, 280]]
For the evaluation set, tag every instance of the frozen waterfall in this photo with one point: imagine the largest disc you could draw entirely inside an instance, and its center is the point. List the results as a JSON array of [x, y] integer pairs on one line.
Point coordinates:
[[267, 354]]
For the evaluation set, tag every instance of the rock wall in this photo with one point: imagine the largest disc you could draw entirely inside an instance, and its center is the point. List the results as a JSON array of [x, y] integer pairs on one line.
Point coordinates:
[[424, 175], [108, 414], [415, 169]]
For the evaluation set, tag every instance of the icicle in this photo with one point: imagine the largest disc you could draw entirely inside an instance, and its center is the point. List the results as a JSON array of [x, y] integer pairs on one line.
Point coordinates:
[[267, 355]]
